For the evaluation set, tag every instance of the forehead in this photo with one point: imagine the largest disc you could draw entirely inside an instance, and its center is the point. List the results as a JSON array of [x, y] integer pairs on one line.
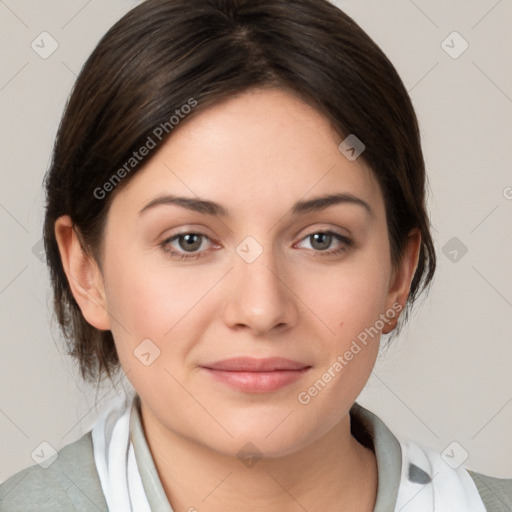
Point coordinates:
[[255, 152]]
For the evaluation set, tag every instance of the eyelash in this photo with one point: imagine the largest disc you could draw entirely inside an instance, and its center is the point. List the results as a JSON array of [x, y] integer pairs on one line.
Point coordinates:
[[347, 244]]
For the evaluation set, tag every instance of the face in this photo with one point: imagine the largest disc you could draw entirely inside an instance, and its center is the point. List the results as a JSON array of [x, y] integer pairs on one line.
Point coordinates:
[[263, 273]]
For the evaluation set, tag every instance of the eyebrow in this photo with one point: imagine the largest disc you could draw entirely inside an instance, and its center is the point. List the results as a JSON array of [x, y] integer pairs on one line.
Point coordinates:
[[299, 208]]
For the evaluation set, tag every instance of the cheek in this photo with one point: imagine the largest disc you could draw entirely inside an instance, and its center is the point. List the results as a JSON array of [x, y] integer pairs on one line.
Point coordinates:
[[158, 303], [348, 298], [350, 305], [151, 295], [354, 342]]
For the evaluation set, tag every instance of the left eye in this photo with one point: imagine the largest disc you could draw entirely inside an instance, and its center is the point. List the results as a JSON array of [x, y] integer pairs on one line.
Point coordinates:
[[321, 241]]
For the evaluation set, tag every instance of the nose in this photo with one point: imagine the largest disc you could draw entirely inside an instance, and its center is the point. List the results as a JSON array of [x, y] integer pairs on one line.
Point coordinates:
[[261, 297]]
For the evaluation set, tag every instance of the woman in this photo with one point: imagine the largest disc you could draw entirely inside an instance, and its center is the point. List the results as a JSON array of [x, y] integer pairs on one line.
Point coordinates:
[[235, 215]]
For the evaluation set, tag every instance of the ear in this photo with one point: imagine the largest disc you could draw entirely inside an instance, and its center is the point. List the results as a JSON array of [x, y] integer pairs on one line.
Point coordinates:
[[400, 283], [83, 273]]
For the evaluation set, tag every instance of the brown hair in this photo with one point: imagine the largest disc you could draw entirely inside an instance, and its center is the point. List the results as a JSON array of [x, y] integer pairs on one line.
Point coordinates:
[[163, 53]]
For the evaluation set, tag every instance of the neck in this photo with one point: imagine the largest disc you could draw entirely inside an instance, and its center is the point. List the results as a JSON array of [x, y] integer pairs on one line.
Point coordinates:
[[333, 473]]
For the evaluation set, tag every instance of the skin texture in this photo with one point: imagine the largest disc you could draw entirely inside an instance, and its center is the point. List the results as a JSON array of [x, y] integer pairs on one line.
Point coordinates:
[[256, 154]]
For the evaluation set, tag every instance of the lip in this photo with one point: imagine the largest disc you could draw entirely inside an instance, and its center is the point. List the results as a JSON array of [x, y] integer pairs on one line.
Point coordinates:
[[252, 375], [253, 364]]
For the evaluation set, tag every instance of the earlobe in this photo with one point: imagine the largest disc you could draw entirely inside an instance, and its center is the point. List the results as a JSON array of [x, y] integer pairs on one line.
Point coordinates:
[[83, 274], [400, 284]]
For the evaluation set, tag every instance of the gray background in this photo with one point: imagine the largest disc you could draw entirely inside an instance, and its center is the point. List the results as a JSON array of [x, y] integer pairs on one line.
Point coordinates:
[[447, 379]]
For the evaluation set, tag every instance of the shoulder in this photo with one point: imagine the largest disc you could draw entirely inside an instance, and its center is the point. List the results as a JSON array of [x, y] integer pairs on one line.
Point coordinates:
[[70, 483], [496, 493]]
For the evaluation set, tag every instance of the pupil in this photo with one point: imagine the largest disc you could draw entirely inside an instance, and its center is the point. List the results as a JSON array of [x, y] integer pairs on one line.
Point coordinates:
[[322, 238], [191, 241]]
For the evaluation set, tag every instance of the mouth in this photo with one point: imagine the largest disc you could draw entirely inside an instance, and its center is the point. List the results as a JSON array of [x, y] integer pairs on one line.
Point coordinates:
[[251, 375]]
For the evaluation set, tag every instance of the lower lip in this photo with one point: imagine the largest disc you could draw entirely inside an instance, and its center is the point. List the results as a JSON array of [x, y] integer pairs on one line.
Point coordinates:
[[257, 382]]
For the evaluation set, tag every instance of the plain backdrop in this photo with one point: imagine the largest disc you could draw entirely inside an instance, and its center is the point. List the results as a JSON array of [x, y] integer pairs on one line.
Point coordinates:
[[447, 379]]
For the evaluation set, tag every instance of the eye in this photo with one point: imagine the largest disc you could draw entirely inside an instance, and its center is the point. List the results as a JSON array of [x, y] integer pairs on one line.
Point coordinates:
[[320, 242], [188, 245]]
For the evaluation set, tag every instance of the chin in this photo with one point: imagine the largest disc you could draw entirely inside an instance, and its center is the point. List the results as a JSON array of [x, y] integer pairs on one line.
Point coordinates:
[[265, 437]]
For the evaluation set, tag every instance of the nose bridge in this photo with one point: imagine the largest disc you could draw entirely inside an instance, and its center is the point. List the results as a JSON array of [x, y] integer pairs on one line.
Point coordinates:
[[260, 299]]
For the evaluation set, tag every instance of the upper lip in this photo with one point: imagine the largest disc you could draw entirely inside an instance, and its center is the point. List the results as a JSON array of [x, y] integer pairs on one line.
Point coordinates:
[[252, 364]]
